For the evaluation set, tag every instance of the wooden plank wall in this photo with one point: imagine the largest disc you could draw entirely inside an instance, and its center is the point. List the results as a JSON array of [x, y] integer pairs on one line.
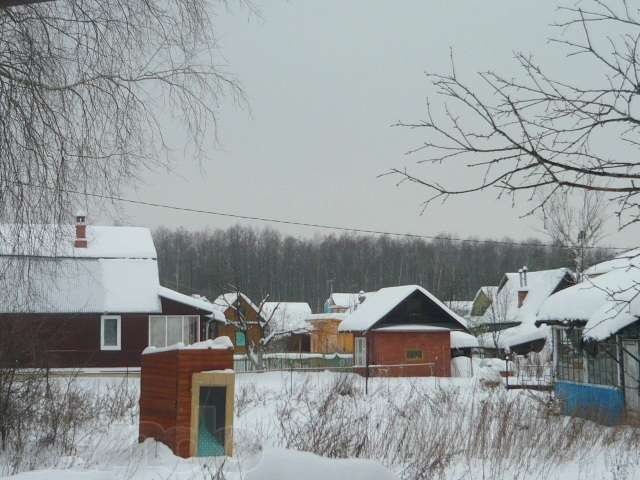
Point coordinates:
[[165, 393]]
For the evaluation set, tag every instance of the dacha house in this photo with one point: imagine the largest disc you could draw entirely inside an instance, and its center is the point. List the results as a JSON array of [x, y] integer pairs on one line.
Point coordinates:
[[404, 331], [508, 321], [89, 296], [596, 336], [244, 320]]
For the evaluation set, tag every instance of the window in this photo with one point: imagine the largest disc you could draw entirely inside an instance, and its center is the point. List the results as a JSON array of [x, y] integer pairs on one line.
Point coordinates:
[[110, 332], [414, 354], [570, 358], [602, 367], [241, 339], [361, 352], [165, 330]]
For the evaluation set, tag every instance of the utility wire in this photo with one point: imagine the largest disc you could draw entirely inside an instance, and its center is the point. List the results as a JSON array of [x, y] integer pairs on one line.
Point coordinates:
[[304, 224]]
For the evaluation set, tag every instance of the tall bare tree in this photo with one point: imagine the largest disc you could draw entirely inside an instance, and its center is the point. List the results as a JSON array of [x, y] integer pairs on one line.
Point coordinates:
[[540, 132], [578, 223], [86, 87]]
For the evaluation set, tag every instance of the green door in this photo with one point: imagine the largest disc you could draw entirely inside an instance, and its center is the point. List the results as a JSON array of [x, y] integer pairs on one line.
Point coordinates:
[[211, 418]]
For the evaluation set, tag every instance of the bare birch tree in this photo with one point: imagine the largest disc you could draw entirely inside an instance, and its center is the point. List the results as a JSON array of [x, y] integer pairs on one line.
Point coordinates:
[[541, 133], [86, 88], [499, 313], [576, 223]]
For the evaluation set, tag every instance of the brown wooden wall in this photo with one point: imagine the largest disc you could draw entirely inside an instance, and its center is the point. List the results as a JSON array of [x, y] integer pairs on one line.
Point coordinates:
[[254, 333], [325, 337], [73, 340], [165, 393]]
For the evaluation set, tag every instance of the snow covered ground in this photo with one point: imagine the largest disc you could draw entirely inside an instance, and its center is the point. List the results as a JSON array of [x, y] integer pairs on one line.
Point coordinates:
[[418, 428]]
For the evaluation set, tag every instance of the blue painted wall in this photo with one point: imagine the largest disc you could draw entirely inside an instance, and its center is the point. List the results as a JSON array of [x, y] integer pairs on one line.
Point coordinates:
[[596, 402]]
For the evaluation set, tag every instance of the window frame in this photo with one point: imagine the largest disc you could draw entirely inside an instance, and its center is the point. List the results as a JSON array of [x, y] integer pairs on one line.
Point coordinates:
[[360, 354], [118, 345], [183, 320], [244, 336], [415, 359]]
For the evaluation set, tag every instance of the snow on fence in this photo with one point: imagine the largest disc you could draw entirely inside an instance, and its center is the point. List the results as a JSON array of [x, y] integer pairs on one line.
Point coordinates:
[[296, 361]]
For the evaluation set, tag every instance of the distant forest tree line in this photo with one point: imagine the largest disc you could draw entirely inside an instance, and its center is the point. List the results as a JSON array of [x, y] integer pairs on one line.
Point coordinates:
[[288, 268]]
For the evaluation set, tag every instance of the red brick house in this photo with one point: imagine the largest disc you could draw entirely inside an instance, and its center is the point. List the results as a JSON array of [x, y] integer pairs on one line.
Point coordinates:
[[403, 331], [89, 296]]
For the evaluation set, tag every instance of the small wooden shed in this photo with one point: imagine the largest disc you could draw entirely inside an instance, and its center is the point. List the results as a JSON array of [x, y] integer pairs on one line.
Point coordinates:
[[186, 397]]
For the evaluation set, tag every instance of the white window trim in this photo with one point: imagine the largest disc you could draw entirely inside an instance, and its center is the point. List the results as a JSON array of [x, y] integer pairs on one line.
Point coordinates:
[[118, 346], [166, 328]]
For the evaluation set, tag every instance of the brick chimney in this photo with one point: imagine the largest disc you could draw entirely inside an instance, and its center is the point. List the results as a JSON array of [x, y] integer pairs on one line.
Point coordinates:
[[81, 232], [524, 288]]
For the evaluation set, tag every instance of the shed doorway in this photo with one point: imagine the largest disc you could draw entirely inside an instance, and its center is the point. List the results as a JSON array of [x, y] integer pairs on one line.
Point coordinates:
[[631, 374], [211, 423]]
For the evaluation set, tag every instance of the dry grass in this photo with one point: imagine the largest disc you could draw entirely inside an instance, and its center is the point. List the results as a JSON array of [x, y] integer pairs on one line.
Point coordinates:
[[426, 432]]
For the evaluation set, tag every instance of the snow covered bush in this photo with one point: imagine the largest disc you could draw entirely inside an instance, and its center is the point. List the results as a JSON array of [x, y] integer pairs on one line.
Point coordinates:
[[44, 419]]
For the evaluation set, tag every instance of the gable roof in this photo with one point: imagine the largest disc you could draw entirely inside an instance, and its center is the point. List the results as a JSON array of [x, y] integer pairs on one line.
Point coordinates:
[[288, 317], [56, 241], [88, 285], [116, 273], [540, 285], [216, 311], [348, 301], [380, 303], [622, 260], [228, 300], [487, 290], [608, 302], [42, 271]]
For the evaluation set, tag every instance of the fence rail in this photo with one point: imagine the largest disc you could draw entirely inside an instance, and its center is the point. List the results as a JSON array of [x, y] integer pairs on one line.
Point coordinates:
[[271, 362]]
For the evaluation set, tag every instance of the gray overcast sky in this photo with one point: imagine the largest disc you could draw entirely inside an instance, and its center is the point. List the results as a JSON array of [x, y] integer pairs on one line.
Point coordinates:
[[325, 80]]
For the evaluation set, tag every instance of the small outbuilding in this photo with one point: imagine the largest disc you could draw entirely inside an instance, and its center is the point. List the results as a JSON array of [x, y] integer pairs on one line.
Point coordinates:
[[187, 397], [403, 331]]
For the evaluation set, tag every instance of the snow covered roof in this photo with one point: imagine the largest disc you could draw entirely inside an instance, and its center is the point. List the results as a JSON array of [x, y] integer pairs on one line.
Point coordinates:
[[89, 285], [346, 301], [463, 340], [488, 290], [326, 316], [540, 285], [58, 241], [217, 312], [411, 327], [608, 303], [117, 272], [623, 260], [219, 343], [288, 317], [461, 307], [379, 303], [227, 300]]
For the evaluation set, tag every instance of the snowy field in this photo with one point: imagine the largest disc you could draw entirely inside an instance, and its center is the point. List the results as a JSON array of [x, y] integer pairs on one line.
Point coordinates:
[[425, 428]]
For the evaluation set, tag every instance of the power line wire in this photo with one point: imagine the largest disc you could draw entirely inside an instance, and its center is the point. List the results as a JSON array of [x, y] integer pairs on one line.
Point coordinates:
[[305, 224]]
